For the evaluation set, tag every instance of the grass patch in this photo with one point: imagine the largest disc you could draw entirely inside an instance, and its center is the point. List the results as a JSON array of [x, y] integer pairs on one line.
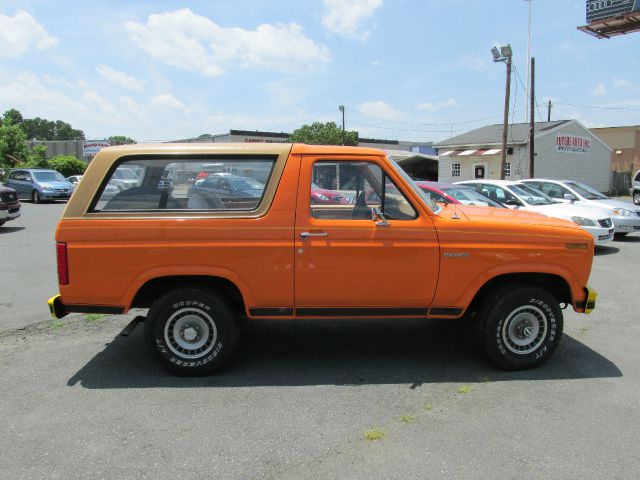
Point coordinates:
[[484, 379], [94, 317], [408, 418], [375, 434], [57, 324], [428, 406], [465, 389]]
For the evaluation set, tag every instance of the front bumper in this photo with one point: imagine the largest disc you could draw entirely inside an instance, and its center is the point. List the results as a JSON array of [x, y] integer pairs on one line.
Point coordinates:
[[58, 195], [588, 305], [600, 234], [626, 224]]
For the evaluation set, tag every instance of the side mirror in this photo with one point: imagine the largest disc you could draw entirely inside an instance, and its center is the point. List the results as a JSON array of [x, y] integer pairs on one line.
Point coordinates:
[[378, 217], [570, 196], [513, 203]]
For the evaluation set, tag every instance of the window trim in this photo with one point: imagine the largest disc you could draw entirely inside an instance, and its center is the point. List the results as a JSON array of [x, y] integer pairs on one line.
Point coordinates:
[[261, 208], [358, 160]]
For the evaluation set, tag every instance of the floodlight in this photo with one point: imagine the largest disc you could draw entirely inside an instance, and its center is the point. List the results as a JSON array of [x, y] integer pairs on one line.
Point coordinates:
[[506, 51], [496, 54]]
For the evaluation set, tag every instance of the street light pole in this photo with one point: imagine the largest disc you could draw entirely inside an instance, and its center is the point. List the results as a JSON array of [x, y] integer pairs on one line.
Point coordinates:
[[504, 55]]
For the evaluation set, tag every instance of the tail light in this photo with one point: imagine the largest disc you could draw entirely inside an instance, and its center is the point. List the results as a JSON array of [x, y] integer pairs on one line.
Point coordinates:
[[63, 264]]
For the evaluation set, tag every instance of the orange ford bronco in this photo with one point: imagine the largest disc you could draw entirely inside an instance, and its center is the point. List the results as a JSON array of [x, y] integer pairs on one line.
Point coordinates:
[[298, 231]]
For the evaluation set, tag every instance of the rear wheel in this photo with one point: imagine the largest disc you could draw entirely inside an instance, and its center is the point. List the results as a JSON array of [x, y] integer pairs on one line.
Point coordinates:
[[35, 197], [191, 331], [521, 326]]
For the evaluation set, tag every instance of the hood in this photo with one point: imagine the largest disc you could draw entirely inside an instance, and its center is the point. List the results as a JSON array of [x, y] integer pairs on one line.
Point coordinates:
[[56, 184], [568, 210], [508, 216], [610, 203]]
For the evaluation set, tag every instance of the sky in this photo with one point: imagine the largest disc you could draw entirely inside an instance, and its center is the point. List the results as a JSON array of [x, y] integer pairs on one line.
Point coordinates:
[[418, 70]]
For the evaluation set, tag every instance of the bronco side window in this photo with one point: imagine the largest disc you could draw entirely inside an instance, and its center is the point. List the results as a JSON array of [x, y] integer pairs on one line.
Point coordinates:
[[348, 190], [151, 184]]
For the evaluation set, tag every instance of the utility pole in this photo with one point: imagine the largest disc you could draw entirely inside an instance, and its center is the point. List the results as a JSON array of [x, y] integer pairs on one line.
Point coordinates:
[[528, 59], [504, 55], [532, 131], [549, 111], [341, 108]]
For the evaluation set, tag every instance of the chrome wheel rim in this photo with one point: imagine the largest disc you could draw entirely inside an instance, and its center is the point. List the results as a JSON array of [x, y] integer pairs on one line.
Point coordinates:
[[525, 329], [190, 333]]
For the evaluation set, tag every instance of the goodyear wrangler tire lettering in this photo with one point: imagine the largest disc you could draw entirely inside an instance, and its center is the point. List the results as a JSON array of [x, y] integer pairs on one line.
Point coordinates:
[[191, 331], [521, 326]]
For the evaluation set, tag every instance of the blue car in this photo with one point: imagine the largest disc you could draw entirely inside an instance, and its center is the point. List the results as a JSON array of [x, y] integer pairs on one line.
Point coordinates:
[[38, 185]]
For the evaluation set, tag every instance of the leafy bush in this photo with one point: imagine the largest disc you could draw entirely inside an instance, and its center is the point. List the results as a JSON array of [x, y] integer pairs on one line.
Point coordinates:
[[67, 165]]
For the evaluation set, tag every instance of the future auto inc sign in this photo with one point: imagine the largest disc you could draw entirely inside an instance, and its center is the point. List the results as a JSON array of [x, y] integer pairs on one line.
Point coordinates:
[[599, 9], [573, 144], [92, 147]]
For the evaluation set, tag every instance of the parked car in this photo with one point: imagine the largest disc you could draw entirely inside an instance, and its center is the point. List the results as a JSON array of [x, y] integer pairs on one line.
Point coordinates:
[[634, 191], [124, 178], [9, 205], [231, 190], [39, 185], [321, 195], [625, 216], [510, 272], [75, 179], [519, 196], [451, 193]]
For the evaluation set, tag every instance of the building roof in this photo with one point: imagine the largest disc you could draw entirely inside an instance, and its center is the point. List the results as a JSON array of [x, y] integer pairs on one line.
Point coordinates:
[[491, 135]]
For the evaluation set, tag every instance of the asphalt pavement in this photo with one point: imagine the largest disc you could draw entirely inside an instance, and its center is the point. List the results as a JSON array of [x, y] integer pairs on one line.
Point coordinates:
[[79, 401]]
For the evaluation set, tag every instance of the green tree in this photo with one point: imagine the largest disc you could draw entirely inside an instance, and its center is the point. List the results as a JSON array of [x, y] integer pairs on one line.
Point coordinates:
[[67, 165], [319, 133], [43, 129], [13, 147], [121, 140], [14, 116]]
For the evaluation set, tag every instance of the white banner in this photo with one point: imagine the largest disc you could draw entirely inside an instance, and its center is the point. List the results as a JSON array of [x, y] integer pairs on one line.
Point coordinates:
[[573, 144], [91, 147]]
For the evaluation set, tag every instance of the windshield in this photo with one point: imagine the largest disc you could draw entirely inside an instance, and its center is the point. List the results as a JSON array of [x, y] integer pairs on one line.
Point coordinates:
[[125, 174], [530, 195], [48, 177], [469, 196], [435, 208], [586, 191]]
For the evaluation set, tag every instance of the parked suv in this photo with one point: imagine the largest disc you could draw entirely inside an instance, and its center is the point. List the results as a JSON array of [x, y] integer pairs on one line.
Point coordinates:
[[274, 253], [635, 188], [9, 205], [38, 185]]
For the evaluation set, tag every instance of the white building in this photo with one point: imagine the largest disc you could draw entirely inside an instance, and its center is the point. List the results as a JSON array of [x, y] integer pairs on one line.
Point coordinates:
[[564, 149]]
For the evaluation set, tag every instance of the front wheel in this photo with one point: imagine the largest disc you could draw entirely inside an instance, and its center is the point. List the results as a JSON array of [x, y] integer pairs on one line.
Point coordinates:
[[636, 197], [522, 326], [191, 331], [35, 196]]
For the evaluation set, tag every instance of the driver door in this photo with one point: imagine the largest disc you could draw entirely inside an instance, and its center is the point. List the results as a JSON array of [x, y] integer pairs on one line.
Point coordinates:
[[347, 264]]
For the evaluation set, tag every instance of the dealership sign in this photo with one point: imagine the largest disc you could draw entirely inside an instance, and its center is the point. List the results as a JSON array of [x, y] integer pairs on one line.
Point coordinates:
[[92, 147], [573, 144], [601, 9]]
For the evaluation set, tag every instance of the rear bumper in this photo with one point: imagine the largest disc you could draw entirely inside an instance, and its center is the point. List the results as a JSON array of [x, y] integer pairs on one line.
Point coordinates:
[[60, 310], [587, 305]]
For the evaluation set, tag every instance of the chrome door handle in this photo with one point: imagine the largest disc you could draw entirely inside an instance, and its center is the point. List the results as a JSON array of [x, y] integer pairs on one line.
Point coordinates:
[[305, 235]]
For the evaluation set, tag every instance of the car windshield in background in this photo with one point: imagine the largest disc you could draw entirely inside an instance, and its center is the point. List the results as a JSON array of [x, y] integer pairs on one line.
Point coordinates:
[[586, 191], [48, 177], [531, 195], [435, 208], [125, 174], [469, 196]]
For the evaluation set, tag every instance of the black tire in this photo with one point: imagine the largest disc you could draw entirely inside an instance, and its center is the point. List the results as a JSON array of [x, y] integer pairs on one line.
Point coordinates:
[[35, 197], [521, 326], [2, 222], [620, 235], [636, 197], [191, 331]]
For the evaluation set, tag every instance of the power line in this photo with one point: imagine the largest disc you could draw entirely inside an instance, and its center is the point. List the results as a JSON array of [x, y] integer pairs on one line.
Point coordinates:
[[597, 107]]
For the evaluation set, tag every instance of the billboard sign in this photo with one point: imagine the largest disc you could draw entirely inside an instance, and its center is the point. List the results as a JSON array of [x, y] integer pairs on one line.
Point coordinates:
[[91, 147], [601, 9], [573, 144]]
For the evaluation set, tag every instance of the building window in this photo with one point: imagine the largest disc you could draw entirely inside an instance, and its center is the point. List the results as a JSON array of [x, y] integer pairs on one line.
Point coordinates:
[[455, 169], [507, 169]]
